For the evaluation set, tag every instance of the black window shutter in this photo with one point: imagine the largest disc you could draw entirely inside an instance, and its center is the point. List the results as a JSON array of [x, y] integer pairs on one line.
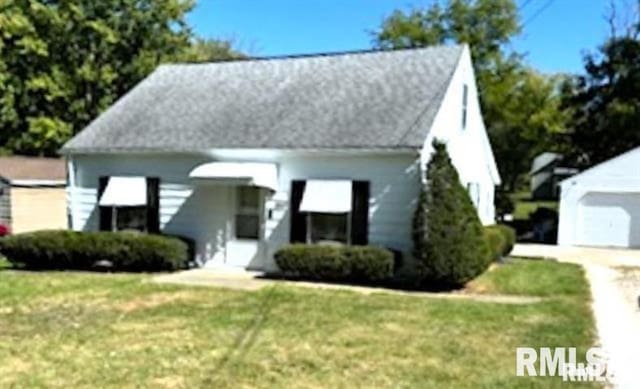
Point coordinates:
[[104, 213], [298, 232], [153, 205], [360, 213]]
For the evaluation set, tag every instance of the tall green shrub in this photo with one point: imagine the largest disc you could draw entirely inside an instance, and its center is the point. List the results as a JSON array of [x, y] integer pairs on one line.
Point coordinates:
[[449, 241]]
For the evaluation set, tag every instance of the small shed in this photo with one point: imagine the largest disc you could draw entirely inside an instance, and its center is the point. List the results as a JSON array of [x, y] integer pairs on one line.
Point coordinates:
[[32, 193], [601, 206]]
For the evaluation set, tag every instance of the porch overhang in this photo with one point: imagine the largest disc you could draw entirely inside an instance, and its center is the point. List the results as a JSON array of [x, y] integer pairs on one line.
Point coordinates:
[[264, 175]]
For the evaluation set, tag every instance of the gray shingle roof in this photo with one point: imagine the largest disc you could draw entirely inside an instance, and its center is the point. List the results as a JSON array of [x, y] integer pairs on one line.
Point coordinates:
[[380, 99]]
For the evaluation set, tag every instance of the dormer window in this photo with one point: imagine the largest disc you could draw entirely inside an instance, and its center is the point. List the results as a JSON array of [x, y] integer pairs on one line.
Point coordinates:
[[465, 98]]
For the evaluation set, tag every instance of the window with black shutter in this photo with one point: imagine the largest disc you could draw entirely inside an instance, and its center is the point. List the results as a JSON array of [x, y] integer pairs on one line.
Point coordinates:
[[326, 227], [138, 217]]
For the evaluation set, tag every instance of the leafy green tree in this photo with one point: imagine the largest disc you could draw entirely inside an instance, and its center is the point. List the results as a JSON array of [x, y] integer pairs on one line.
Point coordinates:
[[605, 103], [525, 117], [485, 25], [518, 126], [208, 50], [62, 62], [449, 241]]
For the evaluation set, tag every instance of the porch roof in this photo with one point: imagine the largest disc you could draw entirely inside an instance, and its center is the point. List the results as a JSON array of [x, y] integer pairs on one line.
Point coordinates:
[[247, 173]]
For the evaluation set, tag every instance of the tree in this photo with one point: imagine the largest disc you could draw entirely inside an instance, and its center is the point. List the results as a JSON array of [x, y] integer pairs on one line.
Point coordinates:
[[62, 62], [208, 50], [605, 103], [526, 119], [448, 237], [486, 25], [517, 125]]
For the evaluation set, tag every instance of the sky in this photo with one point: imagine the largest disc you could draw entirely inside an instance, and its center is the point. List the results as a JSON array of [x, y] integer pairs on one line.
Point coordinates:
[[555, 37]]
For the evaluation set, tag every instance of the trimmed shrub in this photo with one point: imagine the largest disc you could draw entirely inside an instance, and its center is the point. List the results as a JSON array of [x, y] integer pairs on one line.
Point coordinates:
[[449, 240], [122, 251], [335, 263], [508, 235], [496, 241]]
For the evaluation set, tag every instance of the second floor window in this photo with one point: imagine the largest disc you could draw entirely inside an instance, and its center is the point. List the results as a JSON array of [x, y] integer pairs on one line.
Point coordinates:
[[465, 99]]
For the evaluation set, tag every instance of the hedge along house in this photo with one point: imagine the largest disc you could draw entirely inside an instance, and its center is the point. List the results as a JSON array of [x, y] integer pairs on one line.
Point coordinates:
[[247, 156], [32, 193]]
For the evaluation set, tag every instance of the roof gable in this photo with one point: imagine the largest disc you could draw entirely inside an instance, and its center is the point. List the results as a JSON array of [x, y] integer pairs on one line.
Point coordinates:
[[623, 166], [384, 99]]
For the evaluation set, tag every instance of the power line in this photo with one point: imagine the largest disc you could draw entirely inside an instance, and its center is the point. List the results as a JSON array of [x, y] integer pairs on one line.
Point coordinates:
[[537, 13], [524, 5]]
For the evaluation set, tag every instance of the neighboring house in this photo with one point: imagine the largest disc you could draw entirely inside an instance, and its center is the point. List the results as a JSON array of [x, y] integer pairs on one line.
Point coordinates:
[[601, 206], [249, 155], [547, 171], [32, 193]]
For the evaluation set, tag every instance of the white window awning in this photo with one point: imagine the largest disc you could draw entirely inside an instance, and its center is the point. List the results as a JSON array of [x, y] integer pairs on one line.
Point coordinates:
[[125, 192], [264, 175], [326, 196]]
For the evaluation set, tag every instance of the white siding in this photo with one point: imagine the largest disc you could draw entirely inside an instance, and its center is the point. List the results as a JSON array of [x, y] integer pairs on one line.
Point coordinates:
[[394, 185], [201, 212], [590, 201], [468, 147]]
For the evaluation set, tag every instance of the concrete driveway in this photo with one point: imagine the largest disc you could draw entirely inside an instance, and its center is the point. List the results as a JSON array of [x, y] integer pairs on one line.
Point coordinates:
[[614, 275], [581, 255]]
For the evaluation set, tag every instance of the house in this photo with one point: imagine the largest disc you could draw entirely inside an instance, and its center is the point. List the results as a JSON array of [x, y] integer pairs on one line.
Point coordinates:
[[547, 171], [601, 205], [32, 193], [246, 156]]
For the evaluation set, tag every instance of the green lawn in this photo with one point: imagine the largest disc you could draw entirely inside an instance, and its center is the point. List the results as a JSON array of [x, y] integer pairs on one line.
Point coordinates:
[[98, 330], [524, 206]]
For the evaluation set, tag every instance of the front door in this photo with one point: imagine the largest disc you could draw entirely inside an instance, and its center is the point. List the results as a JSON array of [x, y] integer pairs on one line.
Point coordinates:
[[246, 228]]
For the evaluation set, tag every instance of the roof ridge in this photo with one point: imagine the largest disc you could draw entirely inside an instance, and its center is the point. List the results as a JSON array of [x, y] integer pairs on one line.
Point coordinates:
[[316, 55], [365, 99]]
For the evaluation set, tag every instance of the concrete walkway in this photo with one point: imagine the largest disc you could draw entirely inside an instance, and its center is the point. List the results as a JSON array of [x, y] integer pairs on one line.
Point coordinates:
[[614, 275], [243, 280]]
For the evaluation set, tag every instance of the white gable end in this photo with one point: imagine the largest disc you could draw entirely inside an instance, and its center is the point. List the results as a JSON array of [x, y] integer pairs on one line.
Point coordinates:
[[467, 141]]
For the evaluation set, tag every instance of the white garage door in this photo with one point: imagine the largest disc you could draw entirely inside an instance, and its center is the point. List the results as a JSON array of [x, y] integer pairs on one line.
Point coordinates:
[[609, 219]]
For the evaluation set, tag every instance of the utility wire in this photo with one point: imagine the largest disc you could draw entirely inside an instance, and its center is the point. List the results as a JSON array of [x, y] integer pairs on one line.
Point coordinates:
[[537, 13], [524, 5]]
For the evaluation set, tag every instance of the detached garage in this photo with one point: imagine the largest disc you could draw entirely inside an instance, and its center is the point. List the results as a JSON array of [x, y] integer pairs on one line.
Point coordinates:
[[601, 206], [32, 193]]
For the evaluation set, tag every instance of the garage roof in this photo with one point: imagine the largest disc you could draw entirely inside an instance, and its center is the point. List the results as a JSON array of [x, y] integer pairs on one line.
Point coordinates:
[[23, 170], [624, 165]]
